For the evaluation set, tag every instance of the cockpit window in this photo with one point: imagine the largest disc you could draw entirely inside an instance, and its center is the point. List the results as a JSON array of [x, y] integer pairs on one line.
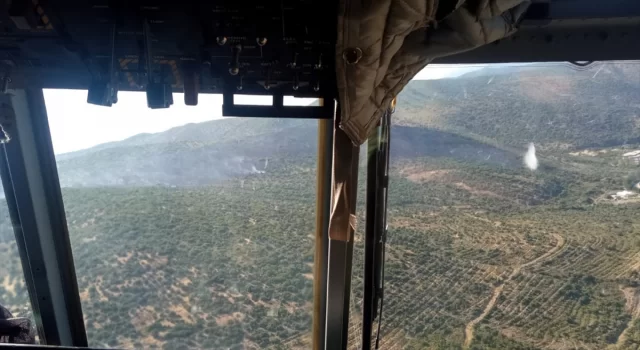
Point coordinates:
[[188, 230], [513, 209], [513, 196]]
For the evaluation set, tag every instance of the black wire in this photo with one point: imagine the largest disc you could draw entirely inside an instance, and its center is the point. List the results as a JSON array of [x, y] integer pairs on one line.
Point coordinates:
[[384, 245], [386, 134]]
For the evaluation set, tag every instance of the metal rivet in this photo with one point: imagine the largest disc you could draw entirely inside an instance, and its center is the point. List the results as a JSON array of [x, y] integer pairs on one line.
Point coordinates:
[[352, 56]]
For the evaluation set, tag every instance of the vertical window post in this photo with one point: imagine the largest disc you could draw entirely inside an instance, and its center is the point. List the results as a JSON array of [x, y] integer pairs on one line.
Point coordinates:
[[323, 207], [341, 231], [375, 230], [30, 178]]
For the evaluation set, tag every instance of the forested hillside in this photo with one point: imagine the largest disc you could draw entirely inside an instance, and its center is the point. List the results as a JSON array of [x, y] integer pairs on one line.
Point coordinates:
[[202, 236], [555, 106]]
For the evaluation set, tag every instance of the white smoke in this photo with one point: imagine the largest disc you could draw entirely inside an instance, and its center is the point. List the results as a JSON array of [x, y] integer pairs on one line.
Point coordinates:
[[530, 159], [256, 171]]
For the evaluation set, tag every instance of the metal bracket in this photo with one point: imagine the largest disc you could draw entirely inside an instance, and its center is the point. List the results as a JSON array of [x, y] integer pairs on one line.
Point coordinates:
[[277, 110]]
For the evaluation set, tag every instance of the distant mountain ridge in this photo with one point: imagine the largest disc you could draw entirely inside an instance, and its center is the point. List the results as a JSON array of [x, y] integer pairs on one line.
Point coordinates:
[[146, 160], [488, 115], [553, 105], [192, 154]]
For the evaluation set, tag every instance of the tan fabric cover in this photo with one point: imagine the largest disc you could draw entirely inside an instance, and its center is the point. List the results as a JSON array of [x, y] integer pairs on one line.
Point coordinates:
[[342, 220], [381, 45], [398, 38]]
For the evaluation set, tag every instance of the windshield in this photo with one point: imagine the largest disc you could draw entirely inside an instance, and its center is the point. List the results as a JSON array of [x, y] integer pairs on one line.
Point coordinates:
[[188, 230], [513, 199], [513, 205]]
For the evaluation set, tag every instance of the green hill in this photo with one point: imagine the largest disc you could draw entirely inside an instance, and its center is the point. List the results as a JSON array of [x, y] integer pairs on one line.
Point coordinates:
[[554, 106]]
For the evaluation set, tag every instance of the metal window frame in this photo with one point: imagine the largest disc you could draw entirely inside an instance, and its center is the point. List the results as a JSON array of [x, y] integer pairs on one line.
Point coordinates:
[[323, 208], [340, 260], [29, 174], [33, 193], [338, 293], [376, 225]]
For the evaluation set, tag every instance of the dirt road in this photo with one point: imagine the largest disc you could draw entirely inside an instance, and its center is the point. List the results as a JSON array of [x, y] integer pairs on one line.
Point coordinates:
[[468, 330]]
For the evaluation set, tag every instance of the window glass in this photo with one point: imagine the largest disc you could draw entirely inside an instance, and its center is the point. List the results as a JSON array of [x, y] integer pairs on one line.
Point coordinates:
[[14, 295], [513, 209], [188, 230]]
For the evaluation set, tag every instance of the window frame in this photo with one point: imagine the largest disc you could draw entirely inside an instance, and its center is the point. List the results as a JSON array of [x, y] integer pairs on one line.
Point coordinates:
[[33, 194], [29, 173]]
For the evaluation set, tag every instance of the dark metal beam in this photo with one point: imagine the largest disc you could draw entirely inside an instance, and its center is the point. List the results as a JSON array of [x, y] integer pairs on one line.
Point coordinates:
[[31, 179], [323, 207], [338, 289], [277, 109], [566, 30], [375, 229], [558, 44], [582, 9], [341, 253]]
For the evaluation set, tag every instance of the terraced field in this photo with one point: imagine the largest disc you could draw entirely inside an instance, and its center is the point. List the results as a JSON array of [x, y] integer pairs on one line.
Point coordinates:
[[483, 266]]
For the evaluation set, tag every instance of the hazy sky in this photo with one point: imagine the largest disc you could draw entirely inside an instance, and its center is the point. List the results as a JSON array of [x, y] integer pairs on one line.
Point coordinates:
[[77, 125]]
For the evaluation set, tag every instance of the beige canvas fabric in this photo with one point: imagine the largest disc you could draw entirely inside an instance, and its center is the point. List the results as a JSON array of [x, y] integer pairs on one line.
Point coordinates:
[[381, 45]]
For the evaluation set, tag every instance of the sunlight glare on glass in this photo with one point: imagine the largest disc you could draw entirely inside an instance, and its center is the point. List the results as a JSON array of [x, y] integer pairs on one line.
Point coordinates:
[[439, 71], [76, 124], [301, 101], [253, 100]]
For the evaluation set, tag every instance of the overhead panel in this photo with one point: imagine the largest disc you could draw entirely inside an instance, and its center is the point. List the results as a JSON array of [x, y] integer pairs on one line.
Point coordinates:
[[269, 48]]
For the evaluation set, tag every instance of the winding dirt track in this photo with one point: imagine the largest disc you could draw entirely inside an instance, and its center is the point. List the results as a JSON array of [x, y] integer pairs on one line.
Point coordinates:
[[468, 330], [632, 298]]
